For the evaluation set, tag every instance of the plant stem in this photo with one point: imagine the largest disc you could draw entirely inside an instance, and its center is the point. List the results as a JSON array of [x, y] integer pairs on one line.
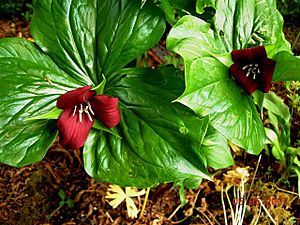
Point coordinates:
[[55, 211], [223, 204], [295, 42], [231, 208], [269, 215], [145, 203], [245, 202], [252, 182]]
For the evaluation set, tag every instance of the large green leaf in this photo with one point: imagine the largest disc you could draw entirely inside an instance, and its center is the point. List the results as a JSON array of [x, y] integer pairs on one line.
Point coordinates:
[[193, 38], [279, 116], [90, 38], [30, 85], [287, 67], [274, 104], [175, 9], [160, 141], [210, 91], [216, 150], [202, 4], [244, 23]]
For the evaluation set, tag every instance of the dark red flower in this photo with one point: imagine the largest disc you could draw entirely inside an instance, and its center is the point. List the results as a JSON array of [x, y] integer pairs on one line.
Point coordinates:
[[80, 107], [252, 69]]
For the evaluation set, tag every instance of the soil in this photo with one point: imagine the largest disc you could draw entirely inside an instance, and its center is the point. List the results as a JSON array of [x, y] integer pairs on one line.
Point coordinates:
[[30, 195]]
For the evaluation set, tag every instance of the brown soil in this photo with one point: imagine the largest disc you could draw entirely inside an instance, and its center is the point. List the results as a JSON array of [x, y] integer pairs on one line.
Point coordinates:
[[29, 195]]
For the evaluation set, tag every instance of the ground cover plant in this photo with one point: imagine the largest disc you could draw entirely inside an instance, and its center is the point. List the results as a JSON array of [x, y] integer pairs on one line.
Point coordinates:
[[138, 126]]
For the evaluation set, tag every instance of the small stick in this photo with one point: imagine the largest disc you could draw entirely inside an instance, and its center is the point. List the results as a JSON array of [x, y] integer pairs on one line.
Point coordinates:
[[145, 203], [263, 206]]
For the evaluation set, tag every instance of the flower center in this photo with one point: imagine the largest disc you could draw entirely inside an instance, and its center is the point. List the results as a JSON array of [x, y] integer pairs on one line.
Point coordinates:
[[252, 69], [84, 108]]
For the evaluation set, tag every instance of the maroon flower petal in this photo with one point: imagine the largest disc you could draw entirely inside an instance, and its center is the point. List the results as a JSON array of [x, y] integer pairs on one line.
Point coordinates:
[[265, 79], [247, 83], [72, 132], [249, 55], [106, 110], [75, 97]]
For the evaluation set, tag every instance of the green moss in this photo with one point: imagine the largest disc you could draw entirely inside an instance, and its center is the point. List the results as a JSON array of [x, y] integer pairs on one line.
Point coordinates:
[[37, 206]]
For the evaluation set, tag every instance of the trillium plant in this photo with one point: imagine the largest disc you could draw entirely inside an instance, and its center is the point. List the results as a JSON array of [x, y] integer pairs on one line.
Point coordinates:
[[141, 126]]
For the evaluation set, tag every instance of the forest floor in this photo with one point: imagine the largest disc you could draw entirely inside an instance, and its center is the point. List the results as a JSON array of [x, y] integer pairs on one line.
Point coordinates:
[[30, 195]]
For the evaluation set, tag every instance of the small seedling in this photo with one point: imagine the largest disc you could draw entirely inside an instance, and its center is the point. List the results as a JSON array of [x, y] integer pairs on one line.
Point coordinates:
[[64, 200]]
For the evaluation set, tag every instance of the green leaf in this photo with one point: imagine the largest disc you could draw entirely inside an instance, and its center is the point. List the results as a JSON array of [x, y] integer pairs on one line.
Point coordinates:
[[175, 9], [287, 67], [61, 203], [296, 169], [30, 85], [91, 38], [168, 10], [24, 143], [296, 161], [100, 88], [293, 151], [274, 104], [210, 91], [246, 24], [62, 194], [193, 38], [242, 24], [161, 141], [279, 116], [202, 4], [187, 5], [70, 203], [259, 98], [53, 115], [277, 152], [183, 200], [216, 150]]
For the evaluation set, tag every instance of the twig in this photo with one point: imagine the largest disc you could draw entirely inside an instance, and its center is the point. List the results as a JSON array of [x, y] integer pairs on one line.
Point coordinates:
[[296, 40], [180, 221], [244, 202], [252, 182], [206, 217], [78, 196], [256, 217], [194, 203], [231, 208], [266, 210], [289, 192], [109, 217], [145, 203], [223, 204], [175, 211], [212, 216]]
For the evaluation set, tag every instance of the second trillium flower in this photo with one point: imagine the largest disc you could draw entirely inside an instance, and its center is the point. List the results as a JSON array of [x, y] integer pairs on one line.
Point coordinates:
[[252, 69], [81, 107]]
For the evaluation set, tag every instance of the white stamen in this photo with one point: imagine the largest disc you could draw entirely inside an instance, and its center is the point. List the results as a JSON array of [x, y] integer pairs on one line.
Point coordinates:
[[80, 113], [245, 67], [90, 108], [86, 110], [252, 69], [254, 76], [74, 110]]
